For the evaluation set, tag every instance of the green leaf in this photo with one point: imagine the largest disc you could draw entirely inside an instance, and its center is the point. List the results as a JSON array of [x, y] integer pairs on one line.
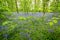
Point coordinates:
[[22, 18], [55, 21], [6, 22], [50, 23]]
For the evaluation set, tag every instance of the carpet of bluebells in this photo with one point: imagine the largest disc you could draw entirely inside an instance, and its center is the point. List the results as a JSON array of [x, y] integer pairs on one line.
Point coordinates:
[[31, 28]]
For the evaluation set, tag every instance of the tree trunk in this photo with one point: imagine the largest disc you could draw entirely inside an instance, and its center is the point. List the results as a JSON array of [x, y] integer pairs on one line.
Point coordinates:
[[16, 6]]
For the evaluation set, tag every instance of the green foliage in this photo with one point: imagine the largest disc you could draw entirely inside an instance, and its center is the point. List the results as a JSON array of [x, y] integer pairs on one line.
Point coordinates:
[[30, 28], [32, 5]]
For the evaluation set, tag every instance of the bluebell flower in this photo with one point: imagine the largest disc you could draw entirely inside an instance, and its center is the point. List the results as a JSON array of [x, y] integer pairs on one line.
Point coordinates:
[[21, 33], [1, 28], [30, 38], [27, 35], [50, 30], [5, 35]]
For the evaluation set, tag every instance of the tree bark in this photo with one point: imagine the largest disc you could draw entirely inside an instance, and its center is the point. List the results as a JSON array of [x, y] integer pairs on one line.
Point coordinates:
[[16, 6]]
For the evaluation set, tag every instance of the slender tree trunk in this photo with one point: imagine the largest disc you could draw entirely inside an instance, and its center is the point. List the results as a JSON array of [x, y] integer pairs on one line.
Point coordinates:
[[12, 5], [56, 4], [43, 7], [35, 5], [16, 6]]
